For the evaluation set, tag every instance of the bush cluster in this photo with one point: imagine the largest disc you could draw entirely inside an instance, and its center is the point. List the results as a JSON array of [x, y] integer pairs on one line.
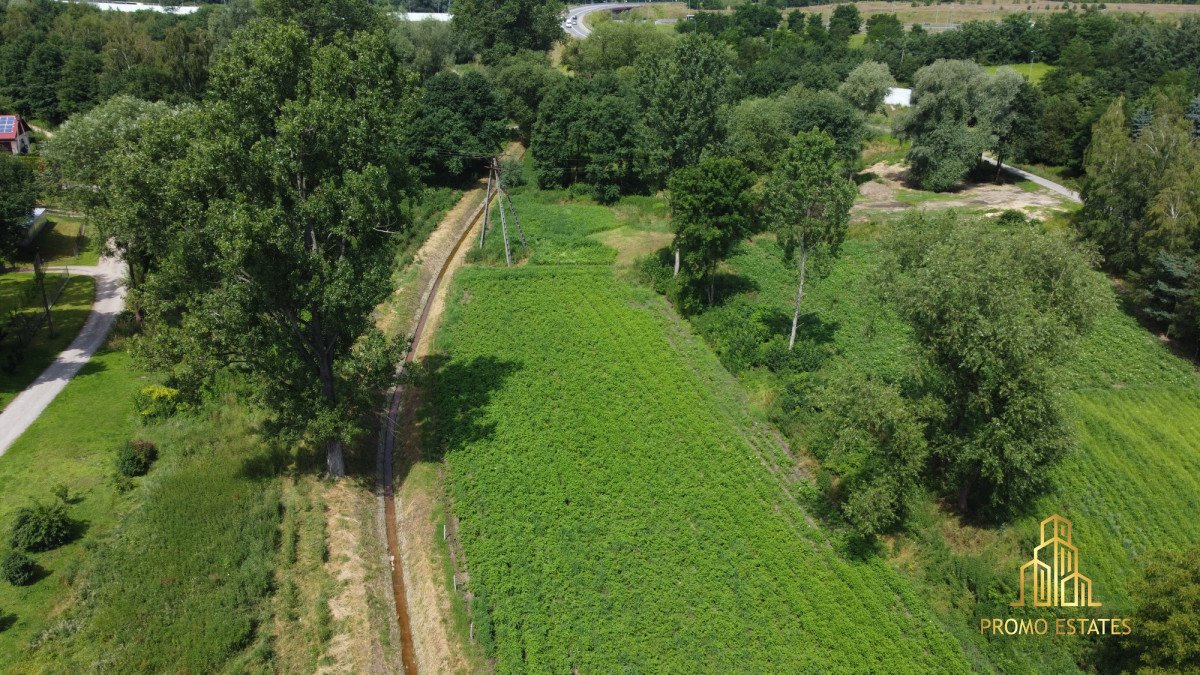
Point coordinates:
[[157, 401], [135, 458], [17, 568], [40, 527]]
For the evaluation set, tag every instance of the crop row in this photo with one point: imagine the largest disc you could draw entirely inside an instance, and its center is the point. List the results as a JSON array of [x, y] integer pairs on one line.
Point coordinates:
[[615, 517]]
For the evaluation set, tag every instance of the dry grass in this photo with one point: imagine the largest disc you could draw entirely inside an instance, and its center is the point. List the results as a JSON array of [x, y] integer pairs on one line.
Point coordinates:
[[942, 14], [632, 243]]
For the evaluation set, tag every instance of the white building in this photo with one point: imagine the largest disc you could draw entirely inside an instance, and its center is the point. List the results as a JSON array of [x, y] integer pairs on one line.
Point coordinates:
[[898, 96]]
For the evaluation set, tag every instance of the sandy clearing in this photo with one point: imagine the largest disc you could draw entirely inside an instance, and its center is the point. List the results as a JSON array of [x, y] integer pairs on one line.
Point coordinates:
[[886, 192]]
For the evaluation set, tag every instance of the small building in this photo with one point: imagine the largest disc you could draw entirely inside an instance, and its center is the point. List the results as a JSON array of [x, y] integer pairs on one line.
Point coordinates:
[[14, 134], [898, 96], [34, 225], [426, 16]]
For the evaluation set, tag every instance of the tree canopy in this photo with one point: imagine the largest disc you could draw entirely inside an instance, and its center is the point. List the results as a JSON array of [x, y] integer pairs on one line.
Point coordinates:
[[711, 209], [1168, 611], [867, 85], [499, 28], [462, 120], [807, 203], [286, 195], [16, 201], [680, 94], [995, 311]]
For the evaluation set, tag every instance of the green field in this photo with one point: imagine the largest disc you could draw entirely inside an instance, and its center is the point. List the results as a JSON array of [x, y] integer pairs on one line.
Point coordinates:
[[170, 575], [57, 240], [620, 507], [72, 443], [192, 567], [1131, 485], [69, 314], [1033, 71]]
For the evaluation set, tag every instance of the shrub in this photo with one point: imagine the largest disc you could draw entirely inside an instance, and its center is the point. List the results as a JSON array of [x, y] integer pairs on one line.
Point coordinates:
[[40, 527], [135, 458], [17, 568], [1168, 635], [157, 401], [512, 172], [1012, 217], [61, 492]]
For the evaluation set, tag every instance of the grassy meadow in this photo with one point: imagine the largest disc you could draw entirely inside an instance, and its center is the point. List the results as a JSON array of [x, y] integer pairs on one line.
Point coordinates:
[[620, 504], [174, 571], [69, 314], [1034, 72], [1132, 484], [57, 239]]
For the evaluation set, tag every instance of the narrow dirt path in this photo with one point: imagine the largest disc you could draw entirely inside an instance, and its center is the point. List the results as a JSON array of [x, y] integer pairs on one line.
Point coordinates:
[[30, 403]]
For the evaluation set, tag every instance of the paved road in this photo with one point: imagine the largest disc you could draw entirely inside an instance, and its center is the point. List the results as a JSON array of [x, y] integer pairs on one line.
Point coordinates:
[[1048, 184], [29, 404], [578, 28]]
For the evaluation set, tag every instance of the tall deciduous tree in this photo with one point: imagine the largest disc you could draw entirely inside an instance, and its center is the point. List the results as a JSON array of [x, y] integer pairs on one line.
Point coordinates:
[[81, 152], [944, 123], [462, 119], [712, 210], [681, 95], [867, 85], [995, 311], [499, 28], [289, 194], [16, 200], [1012, 108], [844, 22], [142, 199], [807, 204]]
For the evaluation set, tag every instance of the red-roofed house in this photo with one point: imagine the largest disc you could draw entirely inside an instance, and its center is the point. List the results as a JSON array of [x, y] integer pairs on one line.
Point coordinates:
[[14, 134]]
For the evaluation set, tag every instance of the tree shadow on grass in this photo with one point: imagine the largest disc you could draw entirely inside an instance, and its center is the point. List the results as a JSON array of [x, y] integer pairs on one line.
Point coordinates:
[[6, 621], [456, 393], [813, 328], [728, 286], [275, 461]]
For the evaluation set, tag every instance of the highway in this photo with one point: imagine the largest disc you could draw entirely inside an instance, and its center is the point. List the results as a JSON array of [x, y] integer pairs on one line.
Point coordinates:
[[573, 23]]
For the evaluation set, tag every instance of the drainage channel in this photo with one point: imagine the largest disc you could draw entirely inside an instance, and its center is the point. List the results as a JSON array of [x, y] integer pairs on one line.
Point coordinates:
[[387, 447]]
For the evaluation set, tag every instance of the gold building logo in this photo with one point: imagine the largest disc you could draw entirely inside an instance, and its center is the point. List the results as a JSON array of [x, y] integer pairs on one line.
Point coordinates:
[[1051, 578]]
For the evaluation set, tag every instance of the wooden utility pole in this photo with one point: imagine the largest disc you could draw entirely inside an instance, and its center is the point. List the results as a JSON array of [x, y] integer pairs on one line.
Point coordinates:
[[487, 204], [495, 186]]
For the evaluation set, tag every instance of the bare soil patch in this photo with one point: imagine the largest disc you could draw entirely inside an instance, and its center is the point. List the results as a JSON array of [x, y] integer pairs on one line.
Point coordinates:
[[892, 190]]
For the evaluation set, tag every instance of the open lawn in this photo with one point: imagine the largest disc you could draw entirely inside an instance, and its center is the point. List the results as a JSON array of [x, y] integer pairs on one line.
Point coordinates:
[[619, 505], [57, 242], [177, 568], [191, 567], [69, 314], [73, 443], [1033, 71]]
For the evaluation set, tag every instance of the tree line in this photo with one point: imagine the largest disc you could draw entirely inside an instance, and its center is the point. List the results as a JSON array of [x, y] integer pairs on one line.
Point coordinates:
[[58, 59]]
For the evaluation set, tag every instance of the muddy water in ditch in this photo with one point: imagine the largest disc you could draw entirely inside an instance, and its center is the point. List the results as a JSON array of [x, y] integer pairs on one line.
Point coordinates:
[[396, 397]]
